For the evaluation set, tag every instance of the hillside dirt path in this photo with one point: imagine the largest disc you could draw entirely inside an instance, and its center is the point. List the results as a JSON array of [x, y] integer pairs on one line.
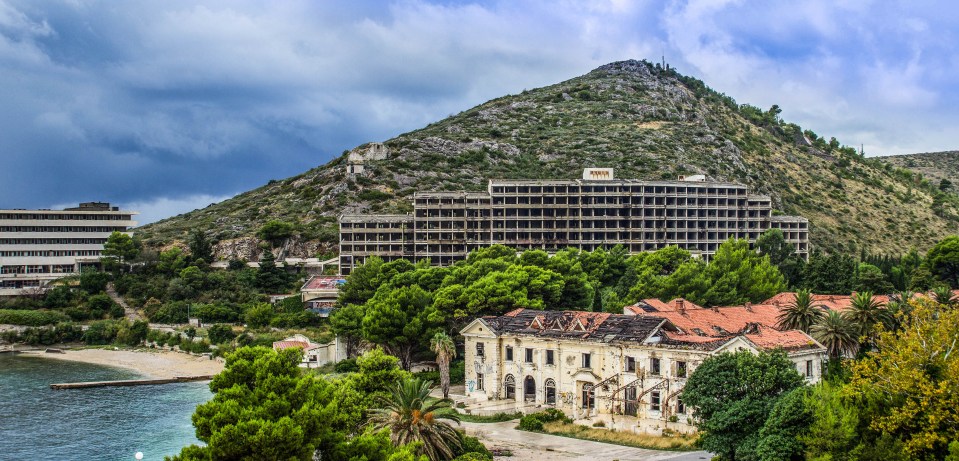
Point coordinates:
[[130, 313]]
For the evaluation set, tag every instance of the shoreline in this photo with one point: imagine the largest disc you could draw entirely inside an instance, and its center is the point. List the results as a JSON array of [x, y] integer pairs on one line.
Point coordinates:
[[151, 363]]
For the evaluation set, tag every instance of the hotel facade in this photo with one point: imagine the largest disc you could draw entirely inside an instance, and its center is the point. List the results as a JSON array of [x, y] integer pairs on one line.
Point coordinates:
[[38, 246], [597, 211]]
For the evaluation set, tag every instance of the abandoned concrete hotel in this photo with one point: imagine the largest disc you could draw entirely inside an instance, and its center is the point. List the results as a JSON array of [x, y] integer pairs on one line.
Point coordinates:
[[37, 246], [597, 211], [627, 370]]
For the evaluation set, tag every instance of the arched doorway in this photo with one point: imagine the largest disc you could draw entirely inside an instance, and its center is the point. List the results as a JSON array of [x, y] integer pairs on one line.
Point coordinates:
[[550, 392], [510, 387], [529, 389]]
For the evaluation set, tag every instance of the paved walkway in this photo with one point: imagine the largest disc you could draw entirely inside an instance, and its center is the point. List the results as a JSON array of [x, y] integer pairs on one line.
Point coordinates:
[[546, 447]]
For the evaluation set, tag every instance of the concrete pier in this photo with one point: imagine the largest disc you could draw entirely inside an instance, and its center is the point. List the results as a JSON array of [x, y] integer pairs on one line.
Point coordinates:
[[130, 382]]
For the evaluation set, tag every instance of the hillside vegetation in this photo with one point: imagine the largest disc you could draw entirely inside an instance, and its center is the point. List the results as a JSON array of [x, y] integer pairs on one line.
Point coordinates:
[[642, 120], [933, 166]]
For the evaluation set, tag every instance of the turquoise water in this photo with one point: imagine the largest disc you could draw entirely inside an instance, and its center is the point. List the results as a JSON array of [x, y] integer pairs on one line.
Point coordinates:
[[110, 423]]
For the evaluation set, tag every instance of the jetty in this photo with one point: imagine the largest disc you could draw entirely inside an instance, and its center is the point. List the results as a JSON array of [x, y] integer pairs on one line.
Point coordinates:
[[130, 382]]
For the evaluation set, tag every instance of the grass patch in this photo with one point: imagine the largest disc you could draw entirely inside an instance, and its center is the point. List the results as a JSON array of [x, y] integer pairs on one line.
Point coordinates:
[[656, 442]]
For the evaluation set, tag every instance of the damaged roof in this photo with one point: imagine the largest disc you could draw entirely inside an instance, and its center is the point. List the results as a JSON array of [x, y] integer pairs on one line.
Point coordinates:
[[591, 326]]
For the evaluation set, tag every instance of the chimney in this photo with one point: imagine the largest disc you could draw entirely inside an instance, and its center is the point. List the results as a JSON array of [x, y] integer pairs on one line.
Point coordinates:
[[749, 307], [681, 305]]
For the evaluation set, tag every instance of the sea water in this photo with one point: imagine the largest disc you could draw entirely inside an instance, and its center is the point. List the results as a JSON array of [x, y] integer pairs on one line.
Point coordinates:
[[107, 423]]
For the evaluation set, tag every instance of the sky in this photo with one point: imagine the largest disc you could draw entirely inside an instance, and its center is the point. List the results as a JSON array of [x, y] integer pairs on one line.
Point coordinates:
[[167, 106]]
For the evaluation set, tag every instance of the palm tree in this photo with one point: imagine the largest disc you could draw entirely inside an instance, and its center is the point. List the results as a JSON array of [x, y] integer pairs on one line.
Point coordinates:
[[800, 314], [837, 333], [867, 312], [445, 350], [899, 308], [412, 415], [943, 295]]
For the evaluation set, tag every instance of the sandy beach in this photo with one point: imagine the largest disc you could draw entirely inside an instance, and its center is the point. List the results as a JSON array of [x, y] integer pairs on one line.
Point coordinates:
[[150, 363]]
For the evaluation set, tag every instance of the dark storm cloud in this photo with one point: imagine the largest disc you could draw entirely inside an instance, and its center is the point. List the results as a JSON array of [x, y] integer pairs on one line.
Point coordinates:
[[167, 106]]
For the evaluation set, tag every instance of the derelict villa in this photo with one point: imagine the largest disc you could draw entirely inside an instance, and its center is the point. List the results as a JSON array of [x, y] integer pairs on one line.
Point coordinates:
[[628, 369]]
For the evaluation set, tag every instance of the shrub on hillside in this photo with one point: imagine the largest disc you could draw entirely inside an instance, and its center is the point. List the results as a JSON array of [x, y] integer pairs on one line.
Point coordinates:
[[101, 332], [32, 318]]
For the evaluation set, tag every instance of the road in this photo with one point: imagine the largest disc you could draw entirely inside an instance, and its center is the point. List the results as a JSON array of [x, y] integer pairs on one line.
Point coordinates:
[[546, 447]]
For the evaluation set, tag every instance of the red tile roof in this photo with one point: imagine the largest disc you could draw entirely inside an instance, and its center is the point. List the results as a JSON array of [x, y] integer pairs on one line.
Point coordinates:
[[837, 303], [717, 321], [655, 305], [280, 345], [770, 338], [710, 328]]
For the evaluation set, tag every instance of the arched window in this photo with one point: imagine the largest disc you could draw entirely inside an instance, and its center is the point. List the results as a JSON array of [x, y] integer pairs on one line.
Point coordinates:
[[510, 383], [589, 397], [550, 392]]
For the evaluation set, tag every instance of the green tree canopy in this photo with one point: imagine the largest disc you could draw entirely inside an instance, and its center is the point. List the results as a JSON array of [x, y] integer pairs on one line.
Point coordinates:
[[732, 394], [119, 249], [399, 319], [943, 260], [275, 232]]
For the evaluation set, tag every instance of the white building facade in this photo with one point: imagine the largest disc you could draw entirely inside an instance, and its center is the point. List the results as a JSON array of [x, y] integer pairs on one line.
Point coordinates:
[[629, 370], [38, 246]]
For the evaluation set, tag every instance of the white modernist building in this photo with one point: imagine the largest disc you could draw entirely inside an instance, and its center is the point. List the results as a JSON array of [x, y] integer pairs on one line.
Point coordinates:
[[37, 246]]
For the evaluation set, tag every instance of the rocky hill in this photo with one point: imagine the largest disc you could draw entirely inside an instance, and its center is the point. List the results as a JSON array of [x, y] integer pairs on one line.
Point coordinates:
[[645, 121], [933, 166]]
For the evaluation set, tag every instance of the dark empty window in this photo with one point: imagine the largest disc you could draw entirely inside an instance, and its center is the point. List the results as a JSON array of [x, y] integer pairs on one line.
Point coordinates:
[[630, 364], [509, 353], [529, 355], [680, 369], [654, 367], [549, 357], [480, 349], [587, 361]]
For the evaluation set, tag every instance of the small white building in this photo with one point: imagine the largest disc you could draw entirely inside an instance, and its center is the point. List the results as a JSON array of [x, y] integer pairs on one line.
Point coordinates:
[[627, 368], [314, 355]]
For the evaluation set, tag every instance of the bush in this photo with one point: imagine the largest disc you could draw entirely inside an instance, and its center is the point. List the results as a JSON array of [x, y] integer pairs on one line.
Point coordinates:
[[473, 449], [175, 312], [133, 334], [93, 281], [78, 314], [220, 334], [346, 366], [32, 318], [61, 333], [195, 347], [535, 421], [102, 332], [457, 372], [259, 315]]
